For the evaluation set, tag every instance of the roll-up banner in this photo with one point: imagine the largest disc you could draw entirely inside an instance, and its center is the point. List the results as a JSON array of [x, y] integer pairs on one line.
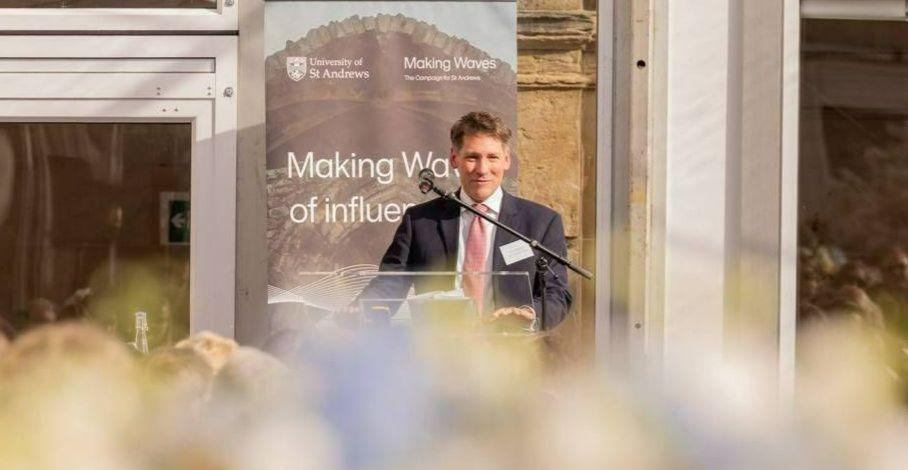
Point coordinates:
[[361, 96]]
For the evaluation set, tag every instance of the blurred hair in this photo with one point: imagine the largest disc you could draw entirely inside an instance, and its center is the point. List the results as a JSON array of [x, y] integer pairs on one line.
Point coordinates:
[[178, 364], [41, 311], [853, 302], [252, 375], [4, 343], [6, 328], [181, 375], [75, 307], [859, 273], [892, 260], [479, 122], [65, 342], [891, 253], [214, 349]]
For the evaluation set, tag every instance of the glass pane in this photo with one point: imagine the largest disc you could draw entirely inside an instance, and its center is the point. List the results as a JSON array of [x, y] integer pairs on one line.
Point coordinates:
[[853, 183], [94, 225], [108, 3]]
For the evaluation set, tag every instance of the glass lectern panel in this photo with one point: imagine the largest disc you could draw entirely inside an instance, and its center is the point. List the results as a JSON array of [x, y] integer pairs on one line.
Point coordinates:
[[481, 302]]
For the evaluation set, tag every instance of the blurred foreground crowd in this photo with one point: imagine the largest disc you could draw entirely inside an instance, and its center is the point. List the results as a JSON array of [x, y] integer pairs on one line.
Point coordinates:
[[73, 396], [868, 289], [872, 290]]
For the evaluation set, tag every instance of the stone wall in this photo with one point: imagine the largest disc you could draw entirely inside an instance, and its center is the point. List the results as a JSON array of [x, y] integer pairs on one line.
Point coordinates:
[[556, 109]]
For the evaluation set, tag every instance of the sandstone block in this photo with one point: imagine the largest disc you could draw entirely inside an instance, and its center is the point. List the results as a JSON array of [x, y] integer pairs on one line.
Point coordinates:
[[544, 62], [551, 151], [523, 5]]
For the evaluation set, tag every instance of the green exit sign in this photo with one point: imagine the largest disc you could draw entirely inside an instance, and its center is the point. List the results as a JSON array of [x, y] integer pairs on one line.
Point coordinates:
[[174, 218]]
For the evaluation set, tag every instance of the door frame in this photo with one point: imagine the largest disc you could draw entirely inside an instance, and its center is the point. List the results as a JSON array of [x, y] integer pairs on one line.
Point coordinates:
[[136, 95]]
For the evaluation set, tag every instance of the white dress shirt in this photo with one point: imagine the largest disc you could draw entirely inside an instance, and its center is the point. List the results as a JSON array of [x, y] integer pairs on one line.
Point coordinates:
[[493, 202]]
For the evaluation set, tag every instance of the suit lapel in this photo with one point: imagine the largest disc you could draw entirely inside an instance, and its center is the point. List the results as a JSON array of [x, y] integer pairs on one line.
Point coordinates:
[[506, 216], [448, 226]]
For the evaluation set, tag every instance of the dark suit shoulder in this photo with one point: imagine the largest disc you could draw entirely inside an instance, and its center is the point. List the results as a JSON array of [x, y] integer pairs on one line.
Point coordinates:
[[430, 209], [533, 209], [439, 207]]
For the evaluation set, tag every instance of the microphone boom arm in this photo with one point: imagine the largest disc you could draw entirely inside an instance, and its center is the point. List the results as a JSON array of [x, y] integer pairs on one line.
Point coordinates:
[[426, 184]]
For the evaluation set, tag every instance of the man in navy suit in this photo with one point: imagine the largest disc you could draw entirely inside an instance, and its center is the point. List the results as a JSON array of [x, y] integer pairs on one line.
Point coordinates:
[[439, 235]]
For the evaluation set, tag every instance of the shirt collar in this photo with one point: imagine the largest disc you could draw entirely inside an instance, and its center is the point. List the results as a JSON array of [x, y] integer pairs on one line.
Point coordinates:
[[493, 202]]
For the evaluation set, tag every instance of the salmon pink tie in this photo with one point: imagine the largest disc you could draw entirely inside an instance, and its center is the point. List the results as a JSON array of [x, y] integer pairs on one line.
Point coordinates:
[[474, 260]]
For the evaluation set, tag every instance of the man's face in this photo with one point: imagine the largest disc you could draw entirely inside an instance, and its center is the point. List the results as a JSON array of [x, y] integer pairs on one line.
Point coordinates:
[[896, 269], [481, 161]]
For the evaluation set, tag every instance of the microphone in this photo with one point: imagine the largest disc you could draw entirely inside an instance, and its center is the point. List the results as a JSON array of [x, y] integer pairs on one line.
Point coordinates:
[[426, 180], [426, 174]]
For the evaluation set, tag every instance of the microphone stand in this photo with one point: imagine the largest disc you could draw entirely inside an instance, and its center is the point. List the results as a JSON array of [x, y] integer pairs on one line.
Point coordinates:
[[427, 184]]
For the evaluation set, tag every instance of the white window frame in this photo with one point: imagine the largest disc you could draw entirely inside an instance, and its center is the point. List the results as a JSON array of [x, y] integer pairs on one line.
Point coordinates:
[[788, 230], [696, 163], [222, 18], [195, 97], [604, 163]]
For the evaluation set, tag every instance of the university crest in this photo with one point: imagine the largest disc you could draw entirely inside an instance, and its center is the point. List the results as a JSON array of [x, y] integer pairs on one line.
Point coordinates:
[[296, 68]]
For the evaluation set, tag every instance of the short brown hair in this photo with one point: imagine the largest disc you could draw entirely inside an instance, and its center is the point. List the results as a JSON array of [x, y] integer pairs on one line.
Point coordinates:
[[479, 122], [214, 349]]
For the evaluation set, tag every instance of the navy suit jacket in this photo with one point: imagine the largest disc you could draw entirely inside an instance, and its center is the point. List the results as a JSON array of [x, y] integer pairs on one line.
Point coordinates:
[[427, 239]]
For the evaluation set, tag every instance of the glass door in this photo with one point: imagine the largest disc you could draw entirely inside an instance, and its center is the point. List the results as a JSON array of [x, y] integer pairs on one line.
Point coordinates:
[[102, 207], [117, 185], [94, 225], [853, 179]]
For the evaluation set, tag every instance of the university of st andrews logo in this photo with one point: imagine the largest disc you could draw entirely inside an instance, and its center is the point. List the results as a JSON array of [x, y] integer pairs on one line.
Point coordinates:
[[296, 68]]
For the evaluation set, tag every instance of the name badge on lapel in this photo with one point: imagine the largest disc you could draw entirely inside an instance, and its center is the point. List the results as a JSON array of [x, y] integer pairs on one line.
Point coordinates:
[[515, 251]]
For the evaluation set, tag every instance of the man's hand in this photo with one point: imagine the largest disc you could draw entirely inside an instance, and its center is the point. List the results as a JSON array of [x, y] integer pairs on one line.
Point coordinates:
[[513, 317]]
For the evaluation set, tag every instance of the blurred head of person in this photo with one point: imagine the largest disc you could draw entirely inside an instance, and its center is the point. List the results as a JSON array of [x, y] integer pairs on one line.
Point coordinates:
[[894, 263], [857, 272], [254, 378], [65, 343], [75, 307], [214, 349], [810, 288], [183, 372], [7, 328], [809, 313], [68, 399], [852, 302], [41, 311], [4, 343]]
